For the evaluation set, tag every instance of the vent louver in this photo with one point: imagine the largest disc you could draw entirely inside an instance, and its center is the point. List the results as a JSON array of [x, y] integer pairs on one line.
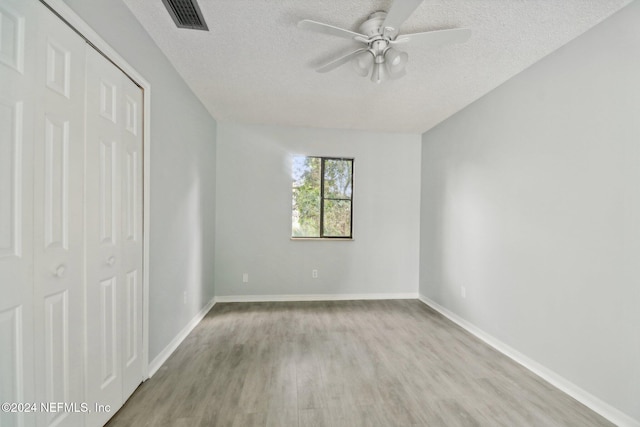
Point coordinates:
[[186, 14]]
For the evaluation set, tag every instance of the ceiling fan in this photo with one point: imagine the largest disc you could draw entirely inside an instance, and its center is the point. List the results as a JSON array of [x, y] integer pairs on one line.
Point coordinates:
[[380, 34]]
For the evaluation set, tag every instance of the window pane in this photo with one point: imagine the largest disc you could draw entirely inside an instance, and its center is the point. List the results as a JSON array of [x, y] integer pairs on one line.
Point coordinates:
[[337, 218], [305, 217], [337, 179]]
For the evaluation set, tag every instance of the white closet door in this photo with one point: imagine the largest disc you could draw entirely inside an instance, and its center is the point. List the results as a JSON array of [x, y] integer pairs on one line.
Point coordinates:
[[58, 218], [113, 239], [70, 222], [131, 239], [17, 73]]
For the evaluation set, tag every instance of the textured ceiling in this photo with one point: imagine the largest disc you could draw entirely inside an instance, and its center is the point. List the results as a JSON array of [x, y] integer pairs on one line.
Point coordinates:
[[256, 66]]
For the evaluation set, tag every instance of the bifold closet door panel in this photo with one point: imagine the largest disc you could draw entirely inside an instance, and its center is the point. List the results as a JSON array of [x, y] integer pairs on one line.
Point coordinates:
[[104, 256], [17, 100], [58, 218], [131, 232], [114, 235]]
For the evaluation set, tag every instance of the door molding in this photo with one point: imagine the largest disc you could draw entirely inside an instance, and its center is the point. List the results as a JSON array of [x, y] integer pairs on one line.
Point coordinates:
[[85, 31]]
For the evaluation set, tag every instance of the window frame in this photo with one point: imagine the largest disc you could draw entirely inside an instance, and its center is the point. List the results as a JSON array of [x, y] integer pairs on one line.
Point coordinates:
[[323, 159]]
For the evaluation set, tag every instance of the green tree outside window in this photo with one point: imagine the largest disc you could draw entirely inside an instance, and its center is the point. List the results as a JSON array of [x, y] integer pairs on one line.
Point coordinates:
[[322, 202]]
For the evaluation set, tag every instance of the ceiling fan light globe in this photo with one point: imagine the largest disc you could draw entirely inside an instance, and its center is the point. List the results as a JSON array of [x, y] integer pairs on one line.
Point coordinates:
[[363, 63], [392, 57], [397, 74], [395, 61]]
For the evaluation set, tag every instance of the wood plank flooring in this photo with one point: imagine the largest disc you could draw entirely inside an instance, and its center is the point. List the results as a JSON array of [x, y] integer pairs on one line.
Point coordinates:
[[343, 363]]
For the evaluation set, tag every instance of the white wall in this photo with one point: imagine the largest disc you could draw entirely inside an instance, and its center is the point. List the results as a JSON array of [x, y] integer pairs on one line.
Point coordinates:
[[182, 175], [531, 200], [254, 214]]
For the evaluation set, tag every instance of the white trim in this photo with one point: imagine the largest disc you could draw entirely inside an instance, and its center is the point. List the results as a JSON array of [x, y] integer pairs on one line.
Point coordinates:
[[89, 34], [162, 357], [316, 297], [597, 405], [146, 219]]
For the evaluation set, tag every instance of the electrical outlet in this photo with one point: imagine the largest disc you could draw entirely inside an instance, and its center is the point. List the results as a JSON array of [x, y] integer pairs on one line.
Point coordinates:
[[314, 274], [463, 292], [245, 277]]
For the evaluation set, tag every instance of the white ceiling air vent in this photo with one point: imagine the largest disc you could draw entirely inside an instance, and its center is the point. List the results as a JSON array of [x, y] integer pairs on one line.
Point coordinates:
[[186, 14]]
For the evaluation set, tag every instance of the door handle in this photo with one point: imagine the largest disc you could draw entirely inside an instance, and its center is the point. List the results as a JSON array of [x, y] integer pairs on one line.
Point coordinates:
[[59, 271]]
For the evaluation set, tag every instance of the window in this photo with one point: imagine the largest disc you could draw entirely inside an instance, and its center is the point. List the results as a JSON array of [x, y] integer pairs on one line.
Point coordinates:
[[322, 197]]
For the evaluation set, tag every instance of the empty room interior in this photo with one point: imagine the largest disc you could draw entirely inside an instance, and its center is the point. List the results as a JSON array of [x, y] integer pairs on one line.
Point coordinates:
[[335, 213]]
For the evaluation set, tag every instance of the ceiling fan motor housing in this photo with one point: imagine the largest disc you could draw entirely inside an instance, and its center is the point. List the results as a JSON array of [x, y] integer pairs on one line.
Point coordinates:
[[378, 43], [371, 27]]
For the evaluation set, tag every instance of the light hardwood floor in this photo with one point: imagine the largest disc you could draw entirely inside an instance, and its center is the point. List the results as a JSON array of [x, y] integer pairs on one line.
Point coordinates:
[[343, 363]]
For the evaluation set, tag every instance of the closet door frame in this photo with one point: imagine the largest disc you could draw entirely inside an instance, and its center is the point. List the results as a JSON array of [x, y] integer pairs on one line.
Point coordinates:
[[81, 27]]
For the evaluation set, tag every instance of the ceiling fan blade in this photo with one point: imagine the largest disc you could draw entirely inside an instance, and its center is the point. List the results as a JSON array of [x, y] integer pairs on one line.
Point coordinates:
[[436, 38], [340, 61], [319, 27], [399, 12]]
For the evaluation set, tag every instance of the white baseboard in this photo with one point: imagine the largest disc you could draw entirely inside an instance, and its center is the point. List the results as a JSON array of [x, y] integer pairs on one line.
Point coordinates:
[[159, 360], [597, 405], [316, 297]]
